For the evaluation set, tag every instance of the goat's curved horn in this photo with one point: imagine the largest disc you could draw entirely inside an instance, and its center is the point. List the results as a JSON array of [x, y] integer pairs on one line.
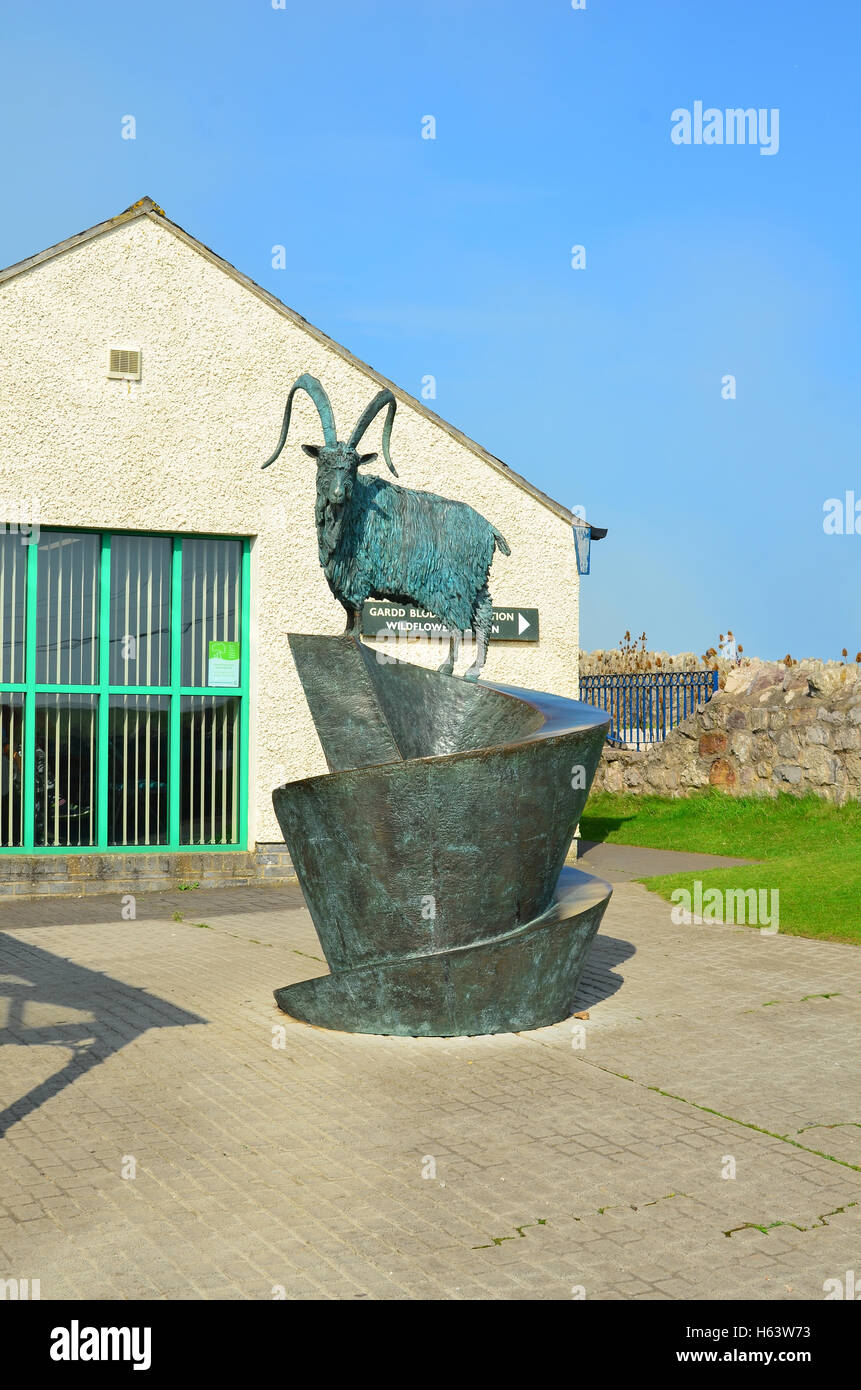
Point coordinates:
[[370, 412], [324, 408]]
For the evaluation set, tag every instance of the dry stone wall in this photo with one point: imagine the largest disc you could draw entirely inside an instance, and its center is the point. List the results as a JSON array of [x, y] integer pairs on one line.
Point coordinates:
[[771, 729]]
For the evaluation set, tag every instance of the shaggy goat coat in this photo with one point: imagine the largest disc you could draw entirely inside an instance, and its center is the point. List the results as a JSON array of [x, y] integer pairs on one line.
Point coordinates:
[[389, 542]]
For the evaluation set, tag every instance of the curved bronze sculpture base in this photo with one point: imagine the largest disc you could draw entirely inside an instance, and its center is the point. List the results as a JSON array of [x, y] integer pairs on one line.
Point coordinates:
[[431, 855], [526, 978]]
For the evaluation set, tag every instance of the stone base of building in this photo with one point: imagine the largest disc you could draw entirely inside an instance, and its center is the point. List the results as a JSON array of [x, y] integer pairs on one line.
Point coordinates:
[[81, 875]]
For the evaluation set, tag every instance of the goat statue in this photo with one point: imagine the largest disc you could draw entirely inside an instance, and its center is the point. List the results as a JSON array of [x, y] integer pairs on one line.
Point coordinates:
[[378, 540]]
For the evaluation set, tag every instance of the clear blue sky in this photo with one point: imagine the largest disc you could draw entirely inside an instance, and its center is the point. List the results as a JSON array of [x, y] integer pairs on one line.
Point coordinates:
[[302, 126]]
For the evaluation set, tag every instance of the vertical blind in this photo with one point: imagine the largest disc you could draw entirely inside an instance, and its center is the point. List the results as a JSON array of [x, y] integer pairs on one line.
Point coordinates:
[[67, 609], [211, 577], [139, 754], [13, 598], [210, 728], [13, 601], [117, 724], [11, 769], [140, 610], [65, 770]]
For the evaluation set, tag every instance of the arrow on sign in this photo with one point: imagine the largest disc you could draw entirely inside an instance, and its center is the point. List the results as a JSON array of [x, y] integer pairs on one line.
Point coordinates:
[[522, 623]]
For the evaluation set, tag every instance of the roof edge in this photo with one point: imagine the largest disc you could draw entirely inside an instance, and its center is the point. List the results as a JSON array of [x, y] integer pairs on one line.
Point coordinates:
[[141, 208], [147, 207]]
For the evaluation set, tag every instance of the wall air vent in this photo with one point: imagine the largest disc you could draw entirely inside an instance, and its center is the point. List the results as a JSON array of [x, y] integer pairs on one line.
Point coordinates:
[[124, 363]]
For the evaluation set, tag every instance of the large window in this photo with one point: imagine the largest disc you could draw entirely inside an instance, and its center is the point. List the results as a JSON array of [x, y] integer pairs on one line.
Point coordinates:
[[123, 692]]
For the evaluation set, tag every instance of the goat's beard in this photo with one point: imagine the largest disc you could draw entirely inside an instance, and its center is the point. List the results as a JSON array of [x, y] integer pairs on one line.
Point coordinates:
[[330, 519]]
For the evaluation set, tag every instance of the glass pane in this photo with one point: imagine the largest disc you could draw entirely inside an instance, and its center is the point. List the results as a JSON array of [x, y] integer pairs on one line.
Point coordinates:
[[13, 606], [209, 770], [11, 768], [65, 769], [211, 573], [138, 761], [140, 610], [67, 617]]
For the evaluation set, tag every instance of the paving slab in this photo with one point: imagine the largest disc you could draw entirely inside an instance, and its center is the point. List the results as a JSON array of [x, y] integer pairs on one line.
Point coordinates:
[[169, 1134]]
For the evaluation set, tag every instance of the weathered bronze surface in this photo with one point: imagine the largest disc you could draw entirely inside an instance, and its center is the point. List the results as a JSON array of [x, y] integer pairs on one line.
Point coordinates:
[[378, 540], [431, 855]]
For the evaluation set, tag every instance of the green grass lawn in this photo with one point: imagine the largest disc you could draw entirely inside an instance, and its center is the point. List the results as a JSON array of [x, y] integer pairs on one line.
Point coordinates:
[[807, 848]]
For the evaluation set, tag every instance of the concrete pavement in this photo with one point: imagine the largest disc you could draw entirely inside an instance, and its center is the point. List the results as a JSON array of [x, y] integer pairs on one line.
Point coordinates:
[[170, 1134]]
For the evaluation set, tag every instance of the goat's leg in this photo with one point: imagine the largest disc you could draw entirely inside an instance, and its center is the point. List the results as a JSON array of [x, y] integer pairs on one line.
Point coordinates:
[[353, 615], [481, 626], [453, 649]]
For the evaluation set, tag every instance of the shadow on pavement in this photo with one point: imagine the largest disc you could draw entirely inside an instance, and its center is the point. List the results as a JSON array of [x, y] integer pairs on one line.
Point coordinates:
[[119, 1013], [599, 980]]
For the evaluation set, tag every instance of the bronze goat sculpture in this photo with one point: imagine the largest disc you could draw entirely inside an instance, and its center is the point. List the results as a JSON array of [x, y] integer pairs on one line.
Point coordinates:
[[378, 540]]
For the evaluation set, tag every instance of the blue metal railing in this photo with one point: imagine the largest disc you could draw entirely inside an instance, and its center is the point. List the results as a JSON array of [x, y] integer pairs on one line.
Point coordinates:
[[644, 707]]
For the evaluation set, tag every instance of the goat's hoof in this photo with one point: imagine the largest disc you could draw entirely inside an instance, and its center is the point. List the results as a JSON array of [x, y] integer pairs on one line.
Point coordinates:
[[446, 668], [471, 675]]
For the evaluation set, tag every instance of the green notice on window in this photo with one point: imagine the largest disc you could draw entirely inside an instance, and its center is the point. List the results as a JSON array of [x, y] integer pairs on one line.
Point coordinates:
[[223, 664]]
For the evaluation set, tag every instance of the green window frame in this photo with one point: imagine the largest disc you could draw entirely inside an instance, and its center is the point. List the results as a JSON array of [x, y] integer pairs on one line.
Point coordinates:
[[177, 698]]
